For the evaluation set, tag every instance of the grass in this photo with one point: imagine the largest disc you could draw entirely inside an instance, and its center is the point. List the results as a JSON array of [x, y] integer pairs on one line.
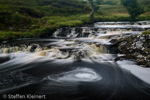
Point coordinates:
[[47, 27], [52, 23], [113, 9], [19, 13], [36, 18], [117, 12], [112, 13], [7, 35], [40, 18], [146, 33]]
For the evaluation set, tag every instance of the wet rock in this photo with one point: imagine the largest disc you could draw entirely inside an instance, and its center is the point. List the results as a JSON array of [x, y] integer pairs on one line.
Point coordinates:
[[136, 47], [4, 59], [33, 47]]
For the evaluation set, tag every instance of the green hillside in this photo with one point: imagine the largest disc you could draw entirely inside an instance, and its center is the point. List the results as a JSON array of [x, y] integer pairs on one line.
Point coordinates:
[[34, 18], [24, 13], [38, 18], [113, 10], [114, 6]]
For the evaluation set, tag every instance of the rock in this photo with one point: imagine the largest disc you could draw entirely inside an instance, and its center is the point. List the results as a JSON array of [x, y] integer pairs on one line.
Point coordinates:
[[135, 47], [4, 59], [33, 47]]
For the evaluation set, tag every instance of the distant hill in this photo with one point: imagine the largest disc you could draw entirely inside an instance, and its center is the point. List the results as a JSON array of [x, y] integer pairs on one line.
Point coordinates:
[[40, 18], [18, 14], [146, 4], [115, 7]]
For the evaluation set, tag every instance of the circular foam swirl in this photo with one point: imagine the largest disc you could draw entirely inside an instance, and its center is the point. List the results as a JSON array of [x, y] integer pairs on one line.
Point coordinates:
[[78, 75]]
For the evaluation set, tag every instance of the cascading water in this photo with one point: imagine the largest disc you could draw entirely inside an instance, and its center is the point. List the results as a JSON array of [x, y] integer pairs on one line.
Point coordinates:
[[76, 64]]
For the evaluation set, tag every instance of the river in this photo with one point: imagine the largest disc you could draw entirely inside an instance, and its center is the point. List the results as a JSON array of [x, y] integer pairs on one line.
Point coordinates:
[[74, 64]]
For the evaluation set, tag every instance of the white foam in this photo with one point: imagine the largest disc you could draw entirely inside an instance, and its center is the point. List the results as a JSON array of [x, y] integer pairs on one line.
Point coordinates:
[[78, 75]]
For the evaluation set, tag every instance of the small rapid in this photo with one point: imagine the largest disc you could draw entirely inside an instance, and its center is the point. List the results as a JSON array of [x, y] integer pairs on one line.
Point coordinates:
[[75, 64]]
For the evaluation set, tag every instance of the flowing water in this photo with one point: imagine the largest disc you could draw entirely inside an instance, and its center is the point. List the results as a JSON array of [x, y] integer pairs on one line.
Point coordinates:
[[74, 64]]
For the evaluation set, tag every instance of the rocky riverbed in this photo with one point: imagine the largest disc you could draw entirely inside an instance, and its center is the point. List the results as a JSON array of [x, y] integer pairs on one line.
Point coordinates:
[[135, 47]]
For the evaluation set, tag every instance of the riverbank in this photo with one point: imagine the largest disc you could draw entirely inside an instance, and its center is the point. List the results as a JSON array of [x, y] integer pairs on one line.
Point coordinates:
[[136, 48], [48, 26]]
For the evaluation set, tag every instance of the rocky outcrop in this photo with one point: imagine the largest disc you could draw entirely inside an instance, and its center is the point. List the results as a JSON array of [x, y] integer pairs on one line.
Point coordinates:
[[136, 47]]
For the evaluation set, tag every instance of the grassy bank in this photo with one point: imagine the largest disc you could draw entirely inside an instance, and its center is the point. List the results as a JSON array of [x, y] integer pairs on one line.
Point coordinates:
[[37, 18], [47, 27], [146, 33]]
